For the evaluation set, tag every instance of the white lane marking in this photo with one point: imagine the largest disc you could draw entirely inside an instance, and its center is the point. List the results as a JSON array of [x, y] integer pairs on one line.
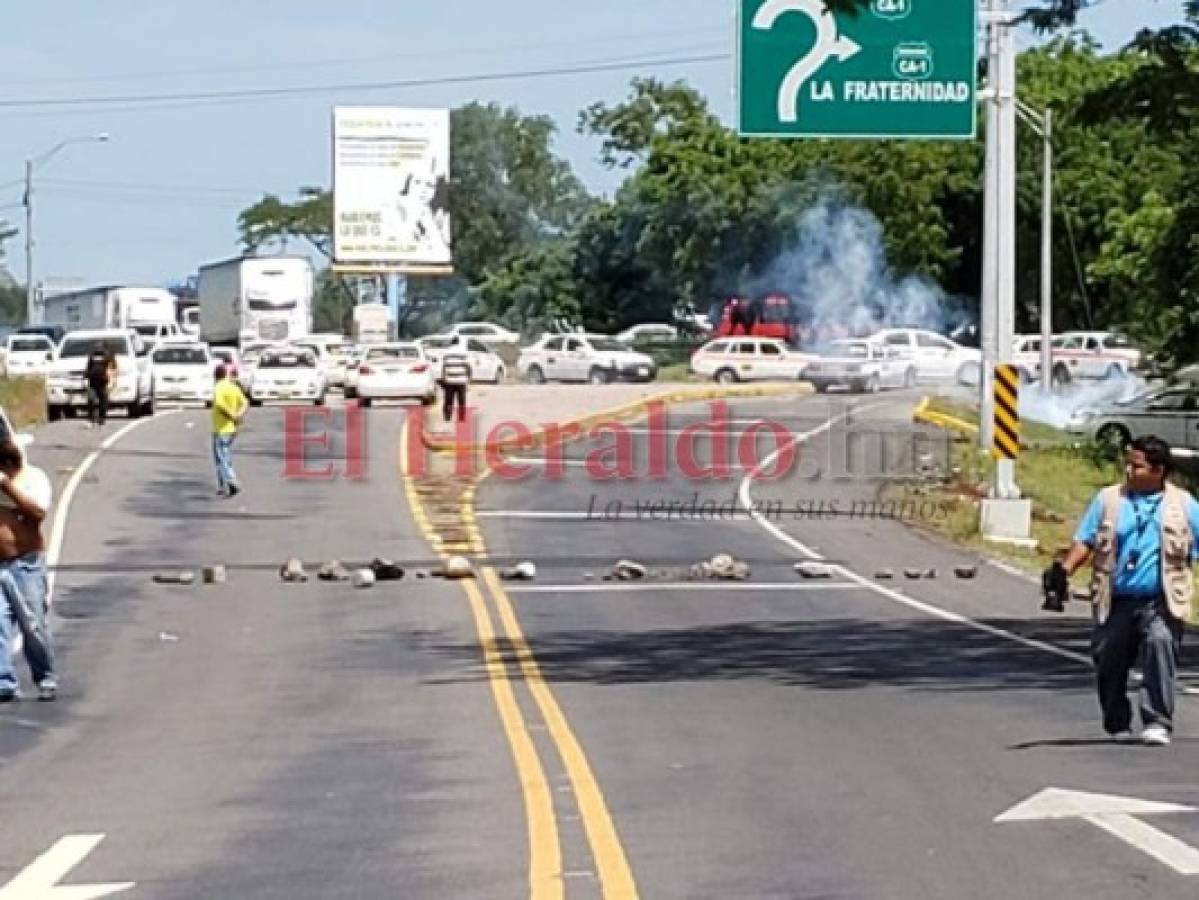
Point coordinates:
[[597, 515], [624, 586], [1115, 816], [748, 504], [59, 528], [39, 880]]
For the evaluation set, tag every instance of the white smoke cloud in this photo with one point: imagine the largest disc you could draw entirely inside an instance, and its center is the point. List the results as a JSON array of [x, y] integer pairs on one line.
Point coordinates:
[[1056, 408], [836, 268]]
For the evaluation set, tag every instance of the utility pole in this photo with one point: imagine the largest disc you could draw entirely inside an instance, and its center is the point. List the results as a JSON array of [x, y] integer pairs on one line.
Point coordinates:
[[30, 290], [1006, 516], [32, 308], [1047, 256]]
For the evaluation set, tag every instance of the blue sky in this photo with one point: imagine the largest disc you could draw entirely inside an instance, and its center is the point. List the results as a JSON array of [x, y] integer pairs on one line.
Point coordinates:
[[162, 197]]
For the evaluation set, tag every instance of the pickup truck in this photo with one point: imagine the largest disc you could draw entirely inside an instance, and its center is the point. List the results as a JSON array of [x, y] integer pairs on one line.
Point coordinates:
[[592, 358], [66, 389]]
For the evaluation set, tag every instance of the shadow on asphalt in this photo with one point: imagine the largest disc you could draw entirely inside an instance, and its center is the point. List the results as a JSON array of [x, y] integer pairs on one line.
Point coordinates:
[[830, 654]]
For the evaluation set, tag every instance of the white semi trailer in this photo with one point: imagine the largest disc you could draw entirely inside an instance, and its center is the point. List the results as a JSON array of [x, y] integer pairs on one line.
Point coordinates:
[[256, 298], [110, 306]]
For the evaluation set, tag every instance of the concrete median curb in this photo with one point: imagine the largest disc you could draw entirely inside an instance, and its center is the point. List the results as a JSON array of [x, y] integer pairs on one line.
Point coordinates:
[[625, 411], [942, 420]]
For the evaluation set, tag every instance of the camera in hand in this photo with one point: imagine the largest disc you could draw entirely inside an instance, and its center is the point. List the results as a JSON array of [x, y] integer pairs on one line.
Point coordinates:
[[1055, 586]]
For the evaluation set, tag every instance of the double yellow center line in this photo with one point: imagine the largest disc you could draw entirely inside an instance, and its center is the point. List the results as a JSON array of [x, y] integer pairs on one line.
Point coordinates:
[[505, 673]]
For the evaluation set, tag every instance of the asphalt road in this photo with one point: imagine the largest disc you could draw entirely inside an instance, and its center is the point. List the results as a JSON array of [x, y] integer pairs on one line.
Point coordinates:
[[257, 739], [568, 737], [829, 739]]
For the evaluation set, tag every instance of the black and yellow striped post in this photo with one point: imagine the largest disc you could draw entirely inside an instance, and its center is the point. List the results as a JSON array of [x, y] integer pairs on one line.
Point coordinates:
[[1007, 413]]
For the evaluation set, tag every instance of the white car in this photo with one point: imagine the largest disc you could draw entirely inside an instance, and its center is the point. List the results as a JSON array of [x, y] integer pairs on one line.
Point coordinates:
[[183, 372], [593, 358], [1093, 354], [485, 363], [486, 332], [936, 357], [648, 332], [729, 360], [396, 371], [28, 354], [331, 351], [860, 366], [287, 373], [1026, 356], [154, 333], [66, 389]]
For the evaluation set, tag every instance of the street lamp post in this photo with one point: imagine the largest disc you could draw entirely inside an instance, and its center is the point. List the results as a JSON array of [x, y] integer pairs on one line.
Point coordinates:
[[1042, 124], [30, 165]]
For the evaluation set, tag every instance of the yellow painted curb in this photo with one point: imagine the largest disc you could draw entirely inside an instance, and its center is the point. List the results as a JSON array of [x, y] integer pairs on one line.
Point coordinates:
[[942, 420], [637, 407]]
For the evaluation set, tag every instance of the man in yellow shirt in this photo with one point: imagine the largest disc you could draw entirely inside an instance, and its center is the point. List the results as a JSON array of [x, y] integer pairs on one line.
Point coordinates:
[[229, 406]]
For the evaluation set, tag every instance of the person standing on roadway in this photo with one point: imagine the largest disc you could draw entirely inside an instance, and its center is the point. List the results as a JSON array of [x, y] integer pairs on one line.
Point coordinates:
[[229, 407], [99, 372], [25, 498], [1141, 538], [455, 377]]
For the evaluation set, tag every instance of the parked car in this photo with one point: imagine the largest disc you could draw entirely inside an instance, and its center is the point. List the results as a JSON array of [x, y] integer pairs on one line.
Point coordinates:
[[55, 332], [935, 357], [594, 358], [648, 332], [28, 354], [1170, 413], [486, 332], [1094, 354], [154, 333], [485, 363], [1026, 356], [134, 388], [183, 372], [287, 373], [729, 360], [860, 366], [396, 371]]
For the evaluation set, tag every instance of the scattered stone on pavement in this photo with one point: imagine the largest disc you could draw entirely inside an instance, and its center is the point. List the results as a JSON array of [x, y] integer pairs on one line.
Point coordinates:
[[457, 567], [931, 574], [175, 577], [525, 571], [214, 575], [965, 571], [386, 570], [293, 571], [913, 573], [333, 571], [364, 578], [884, 574], [627, 570], [813, 570]]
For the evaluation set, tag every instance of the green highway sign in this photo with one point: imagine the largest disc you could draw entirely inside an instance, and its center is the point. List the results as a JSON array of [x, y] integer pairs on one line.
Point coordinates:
[[891, 69]]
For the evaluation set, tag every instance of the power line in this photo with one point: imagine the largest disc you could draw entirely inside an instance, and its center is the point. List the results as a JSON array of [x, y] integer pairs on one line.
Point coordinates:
[[483, 77], [349, 61], [89, 184]]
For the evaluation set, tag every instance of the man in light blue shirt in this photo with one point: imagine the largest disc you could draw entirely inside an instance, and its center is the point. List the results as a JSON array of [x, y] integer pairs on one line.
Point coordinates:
[[1140, 626]]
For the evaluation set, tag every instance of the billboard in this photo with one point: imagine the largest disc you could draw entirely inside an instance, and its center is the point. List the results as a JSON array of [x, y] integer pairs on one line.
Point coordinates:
[[391, 170]]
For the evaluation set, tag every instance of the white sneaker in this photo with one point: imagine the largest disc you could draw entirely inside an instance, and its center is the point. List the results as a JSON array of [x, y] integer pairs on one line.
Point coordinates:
[[1155, 736]]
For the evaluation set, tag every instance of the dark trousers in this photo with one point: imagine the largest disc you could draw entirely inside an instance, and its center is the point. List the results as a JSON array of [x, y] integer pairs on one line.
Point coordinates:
[[97, 403], [454, 394], [1144, 633]]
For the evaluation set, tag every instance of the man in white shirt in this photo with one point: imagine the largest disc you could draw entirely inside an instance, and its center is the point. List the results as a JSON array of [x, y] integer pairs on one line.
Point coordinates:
[[25, 497]]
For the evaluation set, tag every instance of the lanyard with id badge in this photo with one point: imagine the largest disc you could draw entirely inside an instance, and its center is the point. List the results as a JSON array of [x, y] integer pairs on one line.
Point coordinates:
[[1143, 522]]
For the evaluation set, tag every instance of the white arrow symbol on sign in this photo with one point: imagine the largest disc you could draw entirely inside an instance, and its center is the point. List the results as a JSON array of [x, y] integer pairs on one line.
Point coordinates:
[[828, 44], [40, 880], [1115, 816]]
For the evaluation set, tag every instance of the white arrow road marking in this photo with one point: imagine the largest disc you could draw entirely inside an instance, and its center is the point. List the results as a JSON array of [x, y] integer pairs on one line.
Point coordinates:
[[828, 44], [40, 880], [1115, 816]]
